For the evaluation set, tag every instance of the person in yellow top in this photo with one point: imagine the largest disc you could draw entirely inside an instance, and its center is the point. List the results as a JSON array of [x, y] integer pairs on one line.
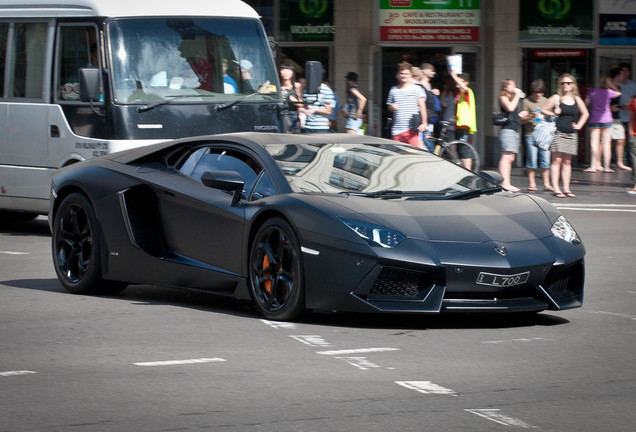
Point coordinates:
[[466, 114]]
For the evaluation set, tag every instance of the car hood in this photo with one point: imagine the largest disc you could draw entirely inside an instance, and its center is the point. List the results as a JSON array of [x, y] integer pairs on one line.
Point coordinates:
[[502, 217]]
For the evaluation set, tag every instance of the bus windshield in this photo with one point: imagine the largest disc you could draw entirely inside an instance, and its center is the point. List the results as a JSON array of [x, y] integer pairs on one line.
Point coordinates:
[[190, 60]]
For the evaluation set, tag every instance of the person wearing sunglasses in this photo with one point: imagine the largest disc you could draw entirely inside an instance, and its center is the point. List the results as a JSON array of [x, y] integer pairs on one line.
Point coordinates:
[[571, 114]]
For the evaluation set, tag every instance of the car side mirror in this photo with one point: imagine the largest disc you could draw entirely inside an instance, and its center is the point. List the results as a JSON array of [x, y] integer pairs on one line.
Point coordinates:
[[225, 180], [89, 81], [492, 176]]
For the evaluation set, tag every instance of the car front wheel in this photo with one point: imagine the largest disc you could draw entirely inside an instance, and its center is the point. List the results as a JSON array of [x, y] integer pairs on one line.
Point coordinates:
[[76, 248], [276, 271]]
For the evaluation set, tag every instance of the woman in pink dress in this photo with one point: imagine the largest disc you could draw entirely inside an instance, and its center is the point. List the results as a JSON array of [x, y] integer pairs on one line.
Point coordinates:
[[598, 100]]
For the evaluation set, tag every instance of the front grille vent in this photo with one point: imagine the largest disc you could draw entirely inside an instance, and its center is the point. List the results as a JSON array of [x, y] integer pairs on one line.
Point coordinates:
[[394, 282], [564, 281]]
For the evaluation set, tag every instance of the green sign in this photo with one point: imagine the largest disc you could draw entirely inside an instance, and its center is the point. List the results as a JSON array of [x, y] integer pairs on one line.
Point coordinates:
[[556, 21], [306, 20]]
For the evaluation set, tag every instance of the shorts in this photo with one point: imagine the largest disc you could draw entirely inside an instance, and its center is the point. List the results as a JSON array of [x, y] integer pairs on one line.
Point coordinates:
[[411, 136], [533, 153], [509, 140], [618, 131], [353, 123], [599, 125]]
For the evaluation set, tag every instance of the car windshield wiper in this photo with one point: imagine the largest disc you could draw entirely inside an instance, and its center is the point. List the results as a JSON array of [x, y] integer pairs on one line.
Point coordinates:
[[475, 192], [394, 193], [167, 101]]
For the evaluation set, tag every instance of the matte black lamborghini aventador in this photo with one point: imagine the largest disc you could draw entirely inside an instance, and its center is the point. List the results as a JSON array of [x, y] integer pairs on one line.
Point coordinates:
[[311, 222]]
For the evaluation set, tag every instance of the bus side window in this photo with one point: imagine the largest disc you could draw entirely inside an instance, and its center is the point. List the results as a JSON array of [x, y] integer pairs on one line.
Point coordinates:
[[77, 49], [27, 64], [4, 32]]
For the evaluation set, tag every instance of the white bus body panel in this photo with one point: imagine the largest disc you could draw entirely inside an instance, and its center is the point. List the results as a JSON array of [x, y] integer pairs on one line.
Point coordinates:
[[124, 8], [25, 176]]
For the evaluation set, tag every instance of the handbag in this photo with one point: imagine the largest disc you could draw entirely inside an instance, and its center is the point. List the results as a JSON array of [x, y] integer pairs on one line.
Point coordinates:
[[543, 133], [500, 119]]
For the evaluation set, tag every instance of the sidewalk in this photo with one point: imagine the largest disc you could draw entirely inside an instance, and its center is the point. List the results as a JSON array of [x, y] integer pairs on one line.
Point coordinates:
[[598, 187]]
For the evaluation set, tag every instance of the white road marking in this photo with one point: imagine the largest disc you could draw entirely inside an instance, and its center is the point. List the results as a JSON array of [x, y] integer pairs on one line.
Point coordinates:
[[518, 340], [359, 362], [312, 340], [427, 387], [13, 253], [16, 373], [496, 416], [280, 325], [355, 351], [180, 362], [629, 208], [616, 314]]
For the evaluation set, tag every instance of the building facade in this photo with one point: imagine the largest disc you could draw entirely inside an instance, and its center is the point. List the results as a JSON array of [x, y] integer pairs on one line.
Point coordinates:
[[497, 39]]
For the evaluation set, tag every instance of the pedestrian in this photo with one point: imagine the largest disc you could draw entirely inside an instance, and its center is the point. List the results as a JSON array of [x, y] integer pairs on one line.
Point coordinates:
[[407, 102], [535, 157], [318, 108], [447, 101], [632, 140], [466, 115], [336, 107], [598, 100], [571, 114], [354, 107], [510, 103], [292, 97], [628, 92], [433, 105]]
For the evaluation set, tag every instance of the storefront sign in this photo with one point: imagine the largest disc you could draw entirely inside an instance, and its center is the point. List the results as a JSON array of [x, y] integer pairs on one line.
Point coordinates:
[[558, 53], [306, 20], [556, 21], [617, 22], [429, 20]]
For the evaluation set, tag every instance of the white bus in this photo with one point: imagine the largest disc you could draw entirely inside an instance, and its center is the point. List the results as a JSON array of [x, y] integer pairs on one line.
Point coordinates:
[[81, 78]]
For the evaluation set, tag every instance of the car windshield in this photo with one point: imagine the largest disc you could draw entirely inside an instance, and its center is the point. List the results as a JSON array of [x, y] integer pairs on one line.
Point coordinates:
[[184, 60], [387, 171]]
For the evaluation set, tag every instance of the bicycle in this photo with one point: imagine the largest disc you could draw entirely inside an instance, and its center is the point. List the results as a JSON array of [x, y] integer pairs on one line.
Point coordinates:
[[456, 151]]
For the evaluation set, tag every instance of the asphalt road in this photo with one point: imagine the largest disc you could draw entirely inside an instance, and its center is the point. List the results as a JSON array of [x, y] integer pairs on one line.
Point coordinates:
[[154, 359]]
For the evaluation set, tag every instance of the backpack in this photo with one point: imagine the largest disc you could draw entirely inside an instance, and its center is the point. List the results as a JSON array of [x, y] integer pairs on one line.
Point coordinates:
[[433, 107]]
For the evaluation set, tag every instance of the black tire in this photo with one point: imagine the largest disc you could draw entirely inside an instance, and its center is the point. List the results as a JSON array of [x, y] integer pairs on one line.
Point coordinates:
[[454, 151], [76, 248], [276, 271]]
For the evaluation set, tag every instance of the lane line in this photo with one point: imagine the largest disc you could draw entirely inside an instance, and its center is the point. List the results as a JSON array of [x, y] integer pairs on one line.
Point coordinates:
[[180, 362], [355, 351], [496, 416], [427, 387], [16, 373]]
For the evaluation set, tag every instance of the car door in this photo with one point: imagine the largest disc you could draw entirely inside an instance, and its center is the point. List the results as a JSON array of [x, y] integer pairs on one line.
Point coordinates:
[[200, 223]]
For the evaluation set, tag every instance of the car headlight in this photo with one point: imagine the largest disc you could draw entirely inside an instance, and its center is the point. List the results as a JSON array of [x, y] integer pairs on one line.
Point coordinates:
[[563, 230], [375, 235]]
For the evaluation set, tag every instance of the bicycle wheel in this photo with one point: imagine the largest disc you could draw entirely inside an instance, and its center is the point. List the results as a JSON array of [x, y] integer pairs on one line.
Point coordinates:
[[461, 153]]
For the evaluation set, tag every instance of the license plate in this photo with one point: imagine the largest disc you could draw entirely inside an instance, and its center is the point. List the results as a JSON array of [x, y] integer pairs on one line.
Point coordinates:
[[498, 280]]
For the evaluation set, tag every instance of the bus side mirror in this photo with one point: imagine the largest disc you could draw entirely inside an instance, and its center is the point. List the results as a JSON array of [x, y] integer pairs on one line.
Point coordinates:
[[89, 81], [313, 76]]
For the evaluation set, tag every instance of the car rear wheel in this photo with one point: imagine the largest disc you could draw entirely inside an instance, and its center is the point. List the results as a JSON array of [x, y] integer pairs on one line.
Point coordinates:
[[76, 248], [276, 271]]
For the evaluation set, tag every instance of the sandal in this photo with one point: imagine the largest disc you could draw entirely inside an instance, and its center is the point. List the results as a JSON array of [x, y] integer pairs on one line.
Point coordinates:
[[589, 170], [559, 194], [609, 170], [532, 188], [570, 195]]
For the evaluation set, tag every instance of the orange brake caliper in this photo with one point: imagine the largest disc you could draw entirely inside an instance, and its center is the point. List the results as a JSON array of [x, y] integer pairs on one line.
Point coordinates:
[[267, 282]]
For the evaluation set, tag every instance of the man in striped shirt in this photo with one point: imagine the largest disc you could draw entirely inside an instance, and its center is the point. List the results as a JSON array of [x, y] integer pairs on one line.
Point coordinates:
[[318, 109], [407, 102]]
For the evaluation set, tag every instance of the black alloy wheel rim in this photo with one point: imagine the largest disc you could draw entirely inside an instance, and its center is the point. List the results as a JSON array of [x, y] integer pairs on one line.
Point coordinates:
[[273, 269], [74, 243]]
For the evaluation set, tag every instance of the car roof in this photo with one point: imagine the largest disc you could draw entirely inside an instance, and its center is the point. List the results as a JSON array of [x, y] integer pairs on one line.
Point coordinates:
[[253, 140]]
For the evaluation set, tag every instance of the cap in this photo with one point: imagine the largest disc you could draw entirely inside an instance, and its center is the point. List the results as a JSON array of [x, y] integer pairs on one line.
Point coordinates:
[[287, 66], [352, 76], [246, 64]]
